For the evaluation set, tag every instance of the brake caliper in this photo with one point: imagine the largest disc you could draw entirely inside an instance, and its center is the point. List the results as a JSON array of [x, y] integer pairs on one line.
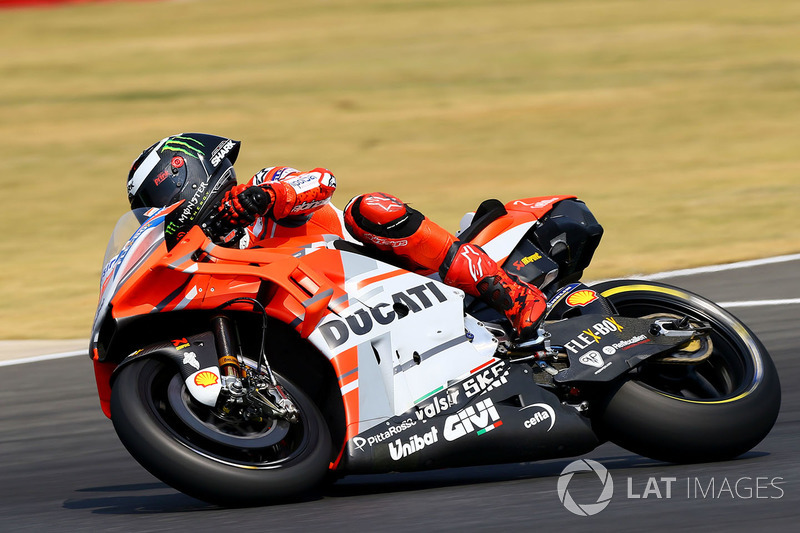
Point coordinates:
[[698, 345]]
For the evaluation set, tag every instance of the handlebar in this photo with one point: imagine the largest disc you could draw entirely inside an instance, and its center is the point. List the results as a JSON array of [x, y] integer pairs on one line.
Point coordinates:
[[219, 230]]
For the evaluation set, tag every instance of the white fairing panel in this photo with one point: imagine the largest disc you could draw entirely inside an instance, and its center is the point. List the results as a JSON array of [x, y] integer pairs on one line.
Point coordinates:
[[501, 246], [411, 339]]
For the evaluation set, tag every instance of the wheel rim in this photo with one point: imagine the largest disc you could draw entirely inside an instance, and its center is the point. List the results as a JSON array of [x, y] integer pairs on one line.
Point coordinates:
[[269, 444], [252, 434], [730, 372]]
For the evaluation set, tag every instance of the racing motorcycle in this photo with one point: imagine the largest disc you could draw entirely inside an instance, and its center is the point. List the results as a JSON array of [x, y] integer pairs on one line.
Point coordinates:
[[247, 376]]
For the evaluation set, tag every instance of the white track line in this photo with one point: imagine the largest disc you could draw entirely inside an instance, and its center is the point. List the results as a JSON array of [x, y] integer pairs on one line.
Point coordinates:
[[660, 275], [722, 268], [760, 303], [733, 266], [49, 357]]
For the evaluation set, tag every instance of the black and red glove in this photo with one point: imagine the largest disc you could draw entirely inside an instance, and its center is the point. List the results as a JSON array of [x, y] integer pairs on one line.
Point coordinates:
[[243, 203]]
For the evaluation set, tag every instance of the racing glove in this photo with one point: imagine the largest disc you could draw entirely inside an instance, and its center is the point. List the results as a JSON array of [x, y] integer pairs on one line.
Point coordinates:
[[243, 203]]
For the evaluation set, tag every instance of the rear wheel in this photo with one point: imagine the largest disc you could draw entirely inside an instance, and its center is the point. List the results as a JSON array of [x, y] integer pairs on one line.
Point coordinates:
[[212, 457], [716, 400]]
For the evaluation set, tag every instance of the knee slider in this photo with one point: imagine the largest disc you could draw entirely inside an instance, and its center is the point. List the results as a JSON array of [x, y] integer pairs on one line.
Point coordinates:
[[383, 215]]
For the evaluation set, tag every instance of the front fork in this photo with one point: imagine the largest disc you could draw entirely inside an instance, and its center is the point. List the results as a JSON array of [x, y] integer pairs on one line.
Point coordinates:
[[254, 394], [231, 368]]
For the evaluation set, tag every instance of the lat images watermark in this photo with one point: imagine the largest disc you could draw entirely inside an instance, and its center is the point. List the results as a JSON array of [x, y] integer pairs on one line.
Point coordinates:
[[661, 488], [587, 509]]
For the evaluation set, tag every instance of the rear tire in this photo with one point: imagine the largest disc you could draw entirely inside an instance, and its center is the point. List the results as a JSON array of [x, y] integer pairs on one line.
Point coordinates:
[[216, 471], [711, 410]]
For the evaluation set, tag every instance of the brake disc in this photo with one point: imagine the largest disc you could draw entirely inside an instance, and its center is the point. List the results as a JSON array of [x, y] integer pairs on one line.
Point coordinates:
[[223, 430]]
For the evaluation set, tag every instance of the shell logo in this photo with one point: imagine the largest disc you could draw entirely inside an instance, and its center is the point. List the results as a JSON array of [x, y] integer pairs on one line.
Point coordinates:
[[206, 378], [581, 298]]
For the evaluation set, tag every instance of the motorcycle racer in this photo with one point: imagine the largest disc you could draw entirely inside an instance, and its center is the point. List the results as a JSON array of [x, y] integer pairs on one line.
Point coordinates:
[[283, 201]]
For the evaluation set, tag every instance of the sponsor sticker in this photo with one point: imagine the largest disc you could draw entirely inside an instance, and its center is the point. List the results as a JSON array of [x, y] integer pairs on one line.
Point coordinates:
[[562, 292], [337, 332], [535, 205], [630, 343], [437, 405], [488, 379], [383, 436], [206, 379], [360, 442], [540, 413], [399, 449], [476, 261], [180, 344], [581, 298], [220, 153], [161, 177], [520, 264], [480, 419], [592, 358], [593, 335], [190, 358]]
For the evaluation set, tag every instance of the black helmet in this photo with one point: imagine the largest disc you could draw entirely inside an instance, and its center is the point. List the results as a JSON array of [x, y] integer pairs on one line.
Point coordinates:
[[195, 167]]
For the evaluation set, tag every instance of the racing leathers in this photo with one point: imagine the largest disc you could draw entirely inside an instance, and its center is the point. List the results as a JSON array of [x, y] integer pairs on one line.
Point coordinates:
[[282, 201]]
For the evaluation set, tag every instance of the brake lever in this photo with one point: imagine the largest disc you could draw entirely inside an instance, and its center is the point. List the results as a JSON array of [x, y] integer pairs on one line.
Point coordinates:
[[220, 231]]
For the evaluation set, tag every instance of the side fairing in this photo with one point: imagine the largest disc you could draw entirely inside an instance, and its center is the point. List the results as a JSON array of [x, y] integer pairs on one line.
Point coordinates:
[[401, 337], [393, 337]]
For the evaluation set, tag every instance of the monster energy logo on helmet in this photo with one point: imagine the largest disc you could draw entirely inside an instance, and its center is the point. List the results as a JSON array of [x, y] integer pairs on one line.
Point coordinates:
[[187, 166], [179, 143]]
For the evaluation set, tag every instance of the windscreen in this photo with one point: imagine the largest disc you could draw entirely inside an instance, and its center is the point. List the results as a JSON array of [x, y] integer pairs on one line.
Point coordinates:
[[125, 227], [134, 236]]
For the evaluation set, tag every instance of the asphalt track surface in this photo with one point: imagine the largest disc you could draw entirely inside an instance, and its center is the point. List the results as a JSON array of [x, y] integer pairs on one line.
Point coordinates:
[[62, 467]]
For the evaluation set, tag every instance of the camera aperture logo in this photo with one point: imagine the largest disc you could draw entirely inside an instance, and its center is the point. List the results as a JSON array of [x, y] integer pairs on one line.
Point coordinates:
[[585, 509]]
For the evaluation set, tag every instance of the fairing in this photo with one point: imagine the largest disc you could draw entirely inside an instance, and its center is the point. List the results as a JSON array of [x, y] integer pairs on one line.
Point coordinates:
[[135, 236], [397, 341]]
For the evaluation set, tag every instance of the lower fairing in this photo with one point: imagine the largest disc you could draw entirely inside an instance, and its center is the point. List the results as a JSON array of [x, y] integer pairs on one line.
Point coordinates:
[[497, 415]]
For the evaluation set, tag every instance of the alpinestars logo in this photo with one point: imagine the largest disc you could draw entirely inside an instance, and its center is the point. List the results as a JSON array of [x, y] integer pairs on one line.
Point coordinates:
[[387, 203], [479, 419], [474, 261], [184, 145]]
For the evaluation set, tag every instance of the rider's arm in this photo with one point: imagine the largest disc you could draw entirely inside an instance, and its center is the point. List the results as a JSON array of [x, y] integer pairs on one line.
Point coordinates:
[[277, 192], [292, 192]]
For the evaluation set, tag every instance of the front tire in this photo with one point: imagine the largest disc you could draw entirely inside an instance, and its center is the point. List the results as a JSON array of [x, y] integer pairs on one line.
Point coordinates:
[[710, 410], [218, 471]]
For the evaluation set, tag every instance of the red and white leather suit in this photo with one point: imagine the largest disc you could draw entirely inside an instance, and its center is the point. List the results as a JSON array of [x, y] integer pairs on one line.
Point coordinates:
[[300, 204]]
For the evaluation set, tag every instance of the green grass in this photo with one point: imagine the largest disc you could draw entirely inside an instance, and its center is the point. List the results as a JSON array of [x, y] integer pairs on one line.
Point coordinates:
[[676, 121]]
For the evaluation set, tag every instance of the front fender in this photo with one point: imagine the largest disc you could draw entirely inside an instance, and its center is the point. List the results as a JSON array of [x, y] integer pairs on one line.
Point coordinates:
[[195, 358]]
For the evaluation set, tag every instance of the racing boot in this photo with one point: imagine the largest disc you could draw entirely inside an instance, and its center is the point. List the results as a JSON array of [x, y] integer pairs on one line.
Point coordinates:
[[470, 269]]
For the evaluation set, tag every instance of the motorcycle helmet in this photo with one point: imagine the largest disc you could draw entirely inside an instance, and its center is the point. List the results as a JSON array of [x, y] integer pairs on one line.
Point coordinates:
[[196, 168]]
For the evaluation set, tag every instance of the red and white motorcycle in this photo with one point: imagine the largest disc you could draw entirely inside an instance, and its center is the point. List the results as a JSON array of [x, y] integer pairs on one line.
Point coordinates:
[[245, 376]]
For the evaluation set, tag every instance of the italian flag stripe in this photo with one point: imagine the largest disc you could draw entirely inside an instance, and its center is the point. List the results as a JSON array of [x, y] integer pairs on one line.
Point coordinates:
[[487, 363], [489, 428], [431, 393]]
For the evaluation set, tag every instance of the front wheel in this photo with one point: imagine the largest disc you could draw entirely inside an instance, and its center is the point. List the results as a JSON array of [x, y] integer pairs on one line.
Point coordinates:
[[715, 406], [209, 457]]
